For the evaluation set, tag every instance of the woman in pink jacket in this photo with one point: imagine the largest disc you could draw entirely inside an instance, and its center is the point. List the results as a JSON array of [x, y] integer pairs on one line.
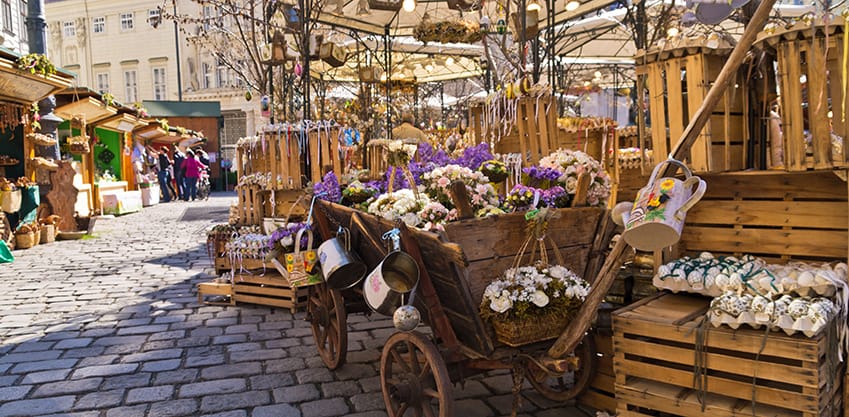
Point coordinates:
[[193, 168]]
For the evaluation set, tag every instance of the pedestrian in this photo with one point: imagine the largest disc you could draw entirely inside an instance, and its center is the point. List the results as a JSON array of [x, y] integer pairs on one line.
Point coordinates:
[[164, 176], [192, 168], [179, 178], [408, 130]]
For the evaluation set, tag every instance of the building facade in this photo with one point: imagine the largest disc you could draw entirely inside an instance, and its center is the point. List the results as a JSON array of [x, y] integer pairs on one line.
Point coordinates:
[[13, 25], [123, 47]]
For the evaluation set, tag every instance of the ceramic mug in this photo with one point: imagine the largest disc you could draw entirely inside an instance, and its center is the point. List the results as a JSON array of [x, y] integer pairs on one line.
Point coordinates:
[[657, 217]]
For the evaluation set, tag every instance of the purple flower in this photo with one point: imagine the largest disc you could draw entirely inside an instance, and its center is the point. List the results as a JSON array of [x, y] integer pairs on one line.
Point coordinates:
[[328, 189], [430, 157], [474, 156], [290, 229], [542, 174]]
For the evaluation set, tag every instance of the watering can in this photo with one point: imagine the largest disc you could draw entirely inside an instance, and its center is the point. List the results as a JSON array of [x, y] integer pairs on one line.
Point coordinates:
[[340, 267], [396, 276], [656, 218]]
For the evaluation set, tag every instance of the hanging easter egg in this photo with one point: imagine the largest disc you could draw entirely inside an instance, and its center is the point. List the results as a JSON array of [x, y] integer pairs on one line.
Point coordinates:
[[299, 70], [501, 26], [485, 22], [248, 95], [525, 85]]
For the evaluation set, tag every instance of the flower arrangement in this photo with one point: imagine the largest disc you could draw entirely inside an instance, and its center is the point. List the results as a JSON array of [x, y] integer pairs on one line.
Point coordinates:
[[532, 303], [570, 164], [400, 153], [433, 214], [447, 31], [108, 98], [438, 181], [494, 170], [282, 240], [328, 189], [399, 205], [140, 110], [357, 192], [36, 64]]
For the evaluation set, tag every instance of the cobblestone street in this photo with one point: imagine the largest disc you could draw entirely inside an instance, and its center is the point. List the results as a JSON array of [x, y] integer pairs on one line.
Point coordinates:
[[110, 327]]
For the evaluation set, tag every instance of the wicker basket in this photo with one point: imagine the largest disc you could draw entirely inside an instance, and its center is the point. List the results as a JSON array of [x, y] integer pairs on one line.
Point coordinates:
[[10, 201], [48, 234], [24, 240], [524, 332], [79, 148]]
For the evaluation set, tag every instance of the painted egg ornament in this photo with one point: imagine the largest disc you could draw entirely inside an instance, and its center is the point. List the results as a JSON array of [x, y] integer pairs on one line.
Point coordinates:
[[805, 279], [485, 23], [501, 26], [299, 69], [798, 308], [248, 95]]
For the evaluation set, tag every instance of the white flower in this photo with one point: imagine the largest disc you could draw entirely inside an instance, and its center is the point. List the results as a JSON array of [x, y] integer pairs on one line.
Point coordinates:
[[501, 303], [539, 299], [287, 241]]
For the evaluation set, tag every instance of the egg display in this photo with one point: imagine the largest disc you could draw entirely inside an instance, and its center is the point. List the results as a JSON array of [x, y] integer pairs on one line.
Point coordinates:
[[808, 315]]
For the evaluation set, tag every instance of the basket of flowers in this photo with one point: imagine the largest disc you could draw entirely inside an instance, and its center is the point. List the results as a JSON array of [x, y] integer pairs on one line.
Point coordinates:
[[78, 145], [535, 302], [494, 170], [357, 192]]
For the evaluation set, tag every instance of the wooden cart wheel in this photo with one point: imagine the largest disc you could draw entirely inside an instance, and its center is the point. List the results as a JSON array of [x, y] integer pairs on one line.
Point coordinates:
[[414, 378], [328, 318], [568, 385]]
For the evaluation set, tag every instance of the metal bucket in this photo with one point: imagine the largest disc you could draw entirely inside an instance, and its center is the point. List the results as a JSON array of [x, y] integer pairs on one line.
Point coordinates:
[[340, 267], [384, 288]]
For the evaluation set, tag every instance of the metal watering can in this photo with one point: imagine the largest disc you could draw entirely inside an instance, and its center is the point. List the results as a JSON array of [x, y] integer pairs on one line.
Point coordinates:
[[657, 216], [386, 286], [340, 267]]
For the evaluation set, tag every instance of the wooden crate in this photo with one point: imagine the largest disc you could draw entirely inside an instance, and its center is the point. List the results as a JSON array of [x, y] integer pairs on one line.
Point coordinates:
[[215, 289], [250, 204], [802, 52], [324, 153], [285, 203], [600, 394], [776, 215], [270, 289], [222, 264], [678, 80], [655, 343]]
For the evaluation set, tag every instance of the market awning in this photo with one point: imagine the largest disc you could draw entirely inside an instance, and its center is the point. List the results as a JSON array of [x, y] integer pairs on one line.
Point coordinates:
[[83, 101], [22, 87], [151, 132], [122, 122]]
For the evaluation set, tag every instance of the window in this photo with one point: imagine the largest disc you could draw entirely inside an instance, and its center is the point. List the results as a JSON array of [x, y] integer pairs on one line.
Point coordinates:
[[153, 17], [68, 29], [102, 82], [221, 74], [207, 16], [23, 11], [126, 22], [159, 83], [98, 24], [7, 16], [207, 75], [130, 86]]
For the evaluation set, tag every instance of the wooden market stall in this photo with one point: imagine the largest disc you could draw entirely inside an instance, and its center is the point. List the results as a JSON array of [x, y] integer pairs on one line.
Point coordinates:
[[19, 90]]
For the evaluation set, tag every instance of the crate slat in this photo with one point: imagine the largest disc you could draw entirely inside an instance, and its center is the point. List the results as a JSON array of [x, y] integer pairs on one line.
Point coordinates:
[[818, 215], [800, 243]]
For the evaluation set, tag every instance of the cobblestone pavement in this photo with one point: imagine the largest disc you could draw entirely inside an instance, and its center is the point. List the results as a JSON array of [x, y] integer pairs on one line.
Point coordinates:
[[111, 327]]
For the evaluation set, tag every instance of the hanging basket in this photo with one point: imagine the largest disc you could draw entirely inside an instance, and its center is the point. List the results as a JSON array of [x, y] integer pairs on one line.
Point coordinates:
[[78, 122], [41, 139], [369, 74], [523, 332], [333, 54], [78, 145], [389, 5]]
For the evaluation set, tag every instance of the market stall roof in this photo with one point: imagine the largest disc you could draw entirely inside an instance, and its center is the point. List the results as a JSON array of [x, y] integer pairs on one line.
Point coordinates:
[[83, 101], [122, 122], [151, 131], [167, 108], [351, 15], [22, 87]]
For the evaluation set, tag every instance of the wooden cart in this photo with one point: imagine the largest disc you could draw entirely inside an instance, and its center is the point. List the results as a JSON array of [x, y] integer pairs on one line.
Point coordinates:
[[417, 370]]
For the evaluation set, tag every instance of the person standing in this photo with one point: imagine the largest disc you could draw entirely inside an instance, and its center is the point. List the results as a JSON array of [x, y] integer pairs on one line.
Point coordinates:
[[179, 158], [408, 130], [164, 175], [192, 168]]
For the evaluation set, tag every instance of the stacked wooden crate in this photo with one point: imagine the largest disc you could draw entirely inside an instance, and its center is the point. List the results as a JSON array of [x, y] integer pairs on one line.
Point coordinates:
[[667, 360], [811, 79], [678, 79], [779, 216]]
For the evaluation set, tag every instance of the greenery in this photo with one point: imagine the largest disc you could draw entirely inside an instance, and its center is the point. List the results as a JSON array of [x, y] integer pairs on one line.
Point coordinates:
[[108, 98], [36, 64]]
